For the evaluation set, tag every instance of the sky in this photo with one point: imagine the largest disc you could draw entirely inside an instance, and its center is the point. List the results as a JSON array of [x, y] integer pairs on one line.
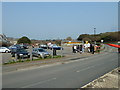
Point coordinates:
[[58, 20], [0, 17]]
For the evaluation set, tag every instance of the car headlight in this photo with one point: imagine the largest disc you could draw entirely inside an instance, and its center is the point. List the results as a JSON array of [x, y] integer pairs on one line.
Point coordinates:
[[20, 54]]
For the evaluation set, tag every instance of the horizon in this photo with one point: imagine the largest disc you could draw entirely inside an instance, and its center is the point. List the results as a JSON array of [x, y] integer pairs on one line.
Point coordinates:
[[52, 39]]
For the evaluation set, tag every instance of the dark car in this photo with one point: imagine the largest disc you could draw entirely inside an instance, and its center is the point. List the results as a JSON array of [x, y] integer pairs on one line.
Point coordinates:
[[20, 53], [14, 47], [55, 47], [24, 46]]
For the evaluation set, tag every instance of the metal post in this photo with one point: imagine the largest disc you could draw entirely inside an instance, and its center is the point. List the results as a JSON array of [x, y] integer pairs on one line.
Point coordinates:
[[31, 58], [61, 49], [15, 57], [52, 52]]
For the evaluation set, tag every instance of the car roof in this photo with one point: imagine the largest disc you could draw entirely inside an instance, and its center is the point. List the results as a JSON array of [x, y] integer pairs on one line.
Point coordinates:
[[3, 47], [37, 48]]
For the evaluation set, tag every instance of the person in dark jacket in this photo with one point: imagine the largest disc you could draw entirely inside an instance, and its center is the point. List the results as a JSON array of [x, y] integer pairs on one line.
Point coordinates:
[[93, 48], [81, 49], [73, 49], [90, 48], [78, 48]]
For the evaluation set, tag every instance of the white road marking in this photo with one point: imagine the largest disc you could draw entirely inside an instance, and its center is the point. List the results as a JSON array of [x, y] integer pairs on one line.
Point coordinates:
[[85, 69], [30, 85]]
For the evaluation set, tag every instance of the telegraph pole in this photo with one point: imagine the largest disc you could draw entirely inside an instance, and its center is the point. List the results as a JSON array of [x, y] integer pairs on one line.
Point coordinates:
[[94, 35]]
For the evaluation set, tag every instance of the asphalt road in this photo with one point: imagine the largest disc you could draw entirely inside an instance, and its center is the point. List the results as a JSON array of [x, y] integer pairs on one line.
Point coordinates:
[[73, 74]]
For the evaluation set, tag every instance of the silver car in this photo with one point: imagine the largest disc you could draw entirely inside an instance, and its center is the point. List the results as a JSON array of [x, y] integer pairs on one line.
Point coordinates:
[[40, 52]]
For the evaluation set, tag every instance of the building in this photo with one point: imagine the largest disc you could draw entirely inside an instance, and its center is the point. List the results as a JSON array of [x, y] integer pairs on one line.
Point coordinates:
[[3, 40], [71, 43]]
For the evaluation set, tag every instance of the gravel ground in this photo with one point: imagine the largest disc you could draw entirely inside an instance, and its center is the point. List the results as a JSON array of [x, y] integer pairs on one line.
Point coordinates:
[[109, 80]]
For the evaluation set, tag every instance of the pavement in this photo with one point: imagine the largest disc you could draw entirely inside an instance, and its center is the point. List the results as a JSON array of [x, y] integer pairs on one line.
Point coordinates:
[[109, 80]]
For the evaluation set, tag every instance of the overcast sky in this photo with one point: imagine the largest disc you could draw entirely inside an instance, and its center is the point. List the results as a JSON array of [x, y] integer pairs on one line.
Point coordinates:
[[50, 20]]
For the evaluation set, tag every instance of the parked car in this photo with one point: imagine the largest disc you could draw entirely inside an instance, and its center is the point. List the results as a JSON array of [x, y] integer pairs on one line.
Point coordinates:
[[40, 52], [24, 46], [54, 46], [4, 50], [43, 46], [15, 47], [20, 53]]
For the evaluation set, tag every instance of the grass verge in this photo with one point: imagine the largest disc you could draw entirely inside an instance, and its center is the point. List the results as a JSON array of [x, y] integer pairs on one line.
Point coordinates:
[[28, 60]]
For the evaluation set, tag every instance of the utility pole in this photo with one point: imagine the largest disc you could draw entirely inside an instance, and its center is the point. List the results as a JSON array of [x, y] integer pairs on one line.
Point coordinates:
[[94, 35]]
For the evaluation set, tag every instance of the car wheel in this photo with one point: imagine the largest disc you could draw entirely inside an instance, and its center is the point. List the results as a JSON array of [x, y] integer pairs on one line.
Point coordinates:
[[6, 51], [39, 56]]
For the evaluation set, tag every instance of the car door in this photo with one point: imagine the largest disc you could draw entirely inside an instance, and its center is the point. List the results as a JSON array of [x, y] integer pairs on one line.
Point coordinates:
[[35, 52]]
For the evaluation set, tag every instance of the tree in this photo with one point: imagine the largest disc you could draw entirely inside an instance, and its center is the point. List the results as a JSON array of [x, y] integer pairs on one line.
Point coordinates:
[[69, 38], [24, 40], [84, 36]]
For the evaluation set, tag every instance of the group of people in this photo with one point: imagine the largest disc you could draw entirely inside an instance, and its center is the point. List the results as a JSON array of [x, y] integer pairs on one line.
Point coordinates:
[[89, 47], [77, 48]]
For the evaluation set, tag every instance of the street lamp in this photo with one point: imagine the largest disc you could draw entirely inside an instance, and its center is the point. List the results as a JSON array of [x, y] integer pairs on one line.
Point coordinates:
[[94, 35]]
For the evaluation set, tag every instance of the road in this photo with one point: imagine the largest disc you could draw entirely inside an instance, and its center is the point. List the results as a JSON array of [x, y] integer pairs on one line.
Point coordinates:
[[72, 74]]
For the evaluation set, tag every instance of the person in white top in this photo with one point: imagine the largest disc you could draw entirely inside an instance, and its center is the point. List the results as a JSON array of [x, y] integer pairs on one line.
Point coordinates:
[[75, 48], [88, 47]]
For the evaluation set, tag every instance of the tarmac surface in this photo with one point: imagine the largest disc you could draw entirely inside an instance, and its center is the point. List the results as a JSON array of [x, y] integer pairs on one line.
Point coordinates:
[[74, 72]]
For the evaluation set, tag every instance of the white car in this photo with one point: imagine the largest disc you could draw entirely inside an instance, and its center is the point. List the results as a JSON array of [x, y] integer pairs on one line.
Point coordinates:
[[4, 50]]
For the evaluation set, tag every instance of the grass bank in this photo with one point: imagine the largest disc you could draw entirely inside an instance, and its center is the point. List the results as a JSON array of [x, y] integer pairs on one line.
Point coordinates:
[[28, 60]]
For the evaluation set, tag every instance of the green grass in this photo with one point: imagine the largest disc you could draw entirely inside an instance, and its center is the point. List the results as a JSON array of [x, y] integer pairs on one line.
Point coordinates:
[[28, 60]]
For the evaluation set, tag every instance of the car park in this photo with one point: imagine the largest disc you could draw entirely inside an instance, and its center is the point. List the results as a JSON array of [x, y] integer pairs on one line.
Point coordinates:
[[4, 50], [20, 53], [40, 52]]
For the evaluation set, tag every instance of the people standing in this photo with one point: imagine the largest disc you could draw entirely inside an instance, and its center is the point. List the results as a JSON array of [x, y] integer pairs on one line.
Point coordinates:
[[88, 47], [83, 48], [75, 48], [80, 49], [93, 48]]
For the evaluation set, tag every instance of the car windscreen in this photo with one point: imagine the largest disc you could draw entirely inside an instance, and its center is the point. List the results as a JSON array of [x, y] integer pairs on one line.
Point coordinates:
[[21, 50], [41, 50]]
